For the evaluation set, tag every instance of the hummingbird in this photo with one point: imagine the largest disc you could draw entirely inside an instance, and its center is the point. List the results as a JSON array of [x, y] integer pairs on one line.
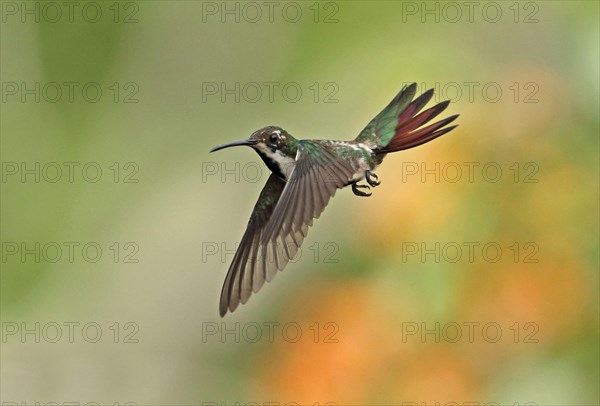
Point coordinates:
[[305, 174]]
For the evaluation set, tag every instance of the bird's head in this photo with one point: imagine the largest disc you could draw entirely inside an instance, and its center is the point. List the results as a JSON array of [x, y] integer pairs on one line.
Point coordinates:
[[269, 141]]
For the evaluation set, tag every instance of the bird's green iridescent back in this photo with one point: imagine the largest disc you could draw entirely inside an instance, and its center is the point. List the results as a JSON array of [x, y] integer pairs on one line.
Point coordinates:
[[348, 150]]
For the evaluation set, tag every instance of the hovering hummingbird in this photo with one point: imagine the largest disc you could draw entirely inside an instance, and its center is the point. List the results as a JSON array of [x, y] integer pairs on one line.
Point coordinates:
[[306, 174]]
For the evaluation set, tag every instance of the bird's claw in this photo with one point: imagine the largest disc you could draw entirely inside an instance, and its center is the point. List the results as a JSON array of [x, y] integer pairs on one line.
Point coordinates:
[[357, 192], [372, 178]]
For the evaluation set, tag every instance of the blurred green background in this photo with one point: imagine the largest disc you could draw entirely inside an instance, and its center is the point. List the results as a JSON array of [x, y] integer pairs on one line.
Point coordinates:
[[149, 132]]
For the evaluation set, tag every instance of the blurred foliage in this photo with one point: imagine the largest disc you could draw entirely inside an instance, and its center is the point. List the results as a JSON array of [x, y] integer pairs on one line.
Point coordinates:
[[373, 289]]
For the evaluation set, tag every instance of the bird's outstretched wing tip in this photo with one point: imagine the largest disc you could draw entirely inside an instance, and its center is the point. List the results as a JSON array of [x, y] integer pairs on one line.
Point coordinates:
[[223, 303]]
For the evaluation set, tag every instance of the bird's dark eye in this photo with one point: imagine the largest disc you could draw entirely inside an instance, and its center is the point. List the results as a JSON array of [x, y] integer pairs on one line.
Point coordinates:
[[274, 137]]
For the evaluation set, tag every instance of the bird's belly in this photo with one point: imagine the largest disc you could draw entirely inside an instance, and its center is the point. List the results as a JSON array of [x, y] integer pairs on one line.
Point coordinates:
[[363, 165]]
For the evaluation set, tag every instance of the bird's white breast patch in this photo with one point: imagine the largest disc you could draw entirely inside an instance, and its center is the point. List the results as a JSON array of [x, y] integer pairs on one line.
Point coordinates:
[[286, 164]]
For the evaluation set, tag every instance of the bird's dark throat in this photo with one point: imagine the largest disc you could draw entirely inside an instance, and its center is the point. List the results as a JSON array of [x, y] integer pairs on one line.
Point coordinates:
[[272, 165]]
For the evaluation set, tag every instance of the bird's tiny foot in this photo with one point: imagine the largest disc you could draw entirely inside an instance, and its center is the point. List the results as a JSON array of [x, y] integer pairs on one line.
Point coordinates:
[[372, 178], [357, 192]]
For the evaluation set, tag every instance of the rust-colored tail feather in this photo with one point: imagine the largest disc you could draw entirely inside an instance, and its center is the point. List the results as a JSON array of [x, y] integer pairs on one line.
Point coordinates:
[[407, 132]]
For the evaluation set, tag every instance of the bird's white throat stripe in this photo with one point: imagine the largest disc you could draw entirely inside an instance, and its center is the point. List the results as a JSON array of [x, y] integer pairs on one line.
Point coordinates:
[[286, 164]]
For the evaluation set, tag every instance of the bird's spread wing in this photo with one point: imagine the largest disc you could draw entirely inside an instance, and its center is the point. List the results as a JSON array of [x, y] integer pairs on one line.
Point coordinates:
[[280, 220], [247, 270], [318, 173]]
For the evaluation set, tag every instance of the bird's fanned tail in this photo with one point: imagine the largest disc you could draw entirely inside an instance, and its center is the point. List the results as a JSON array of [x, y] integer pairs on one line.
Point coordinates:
[[399, 125], [406, 137]]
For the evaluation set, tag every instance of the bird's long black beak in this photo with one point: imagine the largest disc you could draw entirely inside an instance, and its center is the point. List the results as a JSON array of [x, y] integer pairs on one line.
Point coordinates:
[[247, 143]]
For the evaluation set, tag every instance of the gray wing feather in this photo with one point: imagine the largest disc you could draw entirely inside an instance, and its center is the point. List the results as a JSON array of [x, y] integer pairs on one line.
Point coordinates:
[[250, 268], [277, 229], [318, 173]]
